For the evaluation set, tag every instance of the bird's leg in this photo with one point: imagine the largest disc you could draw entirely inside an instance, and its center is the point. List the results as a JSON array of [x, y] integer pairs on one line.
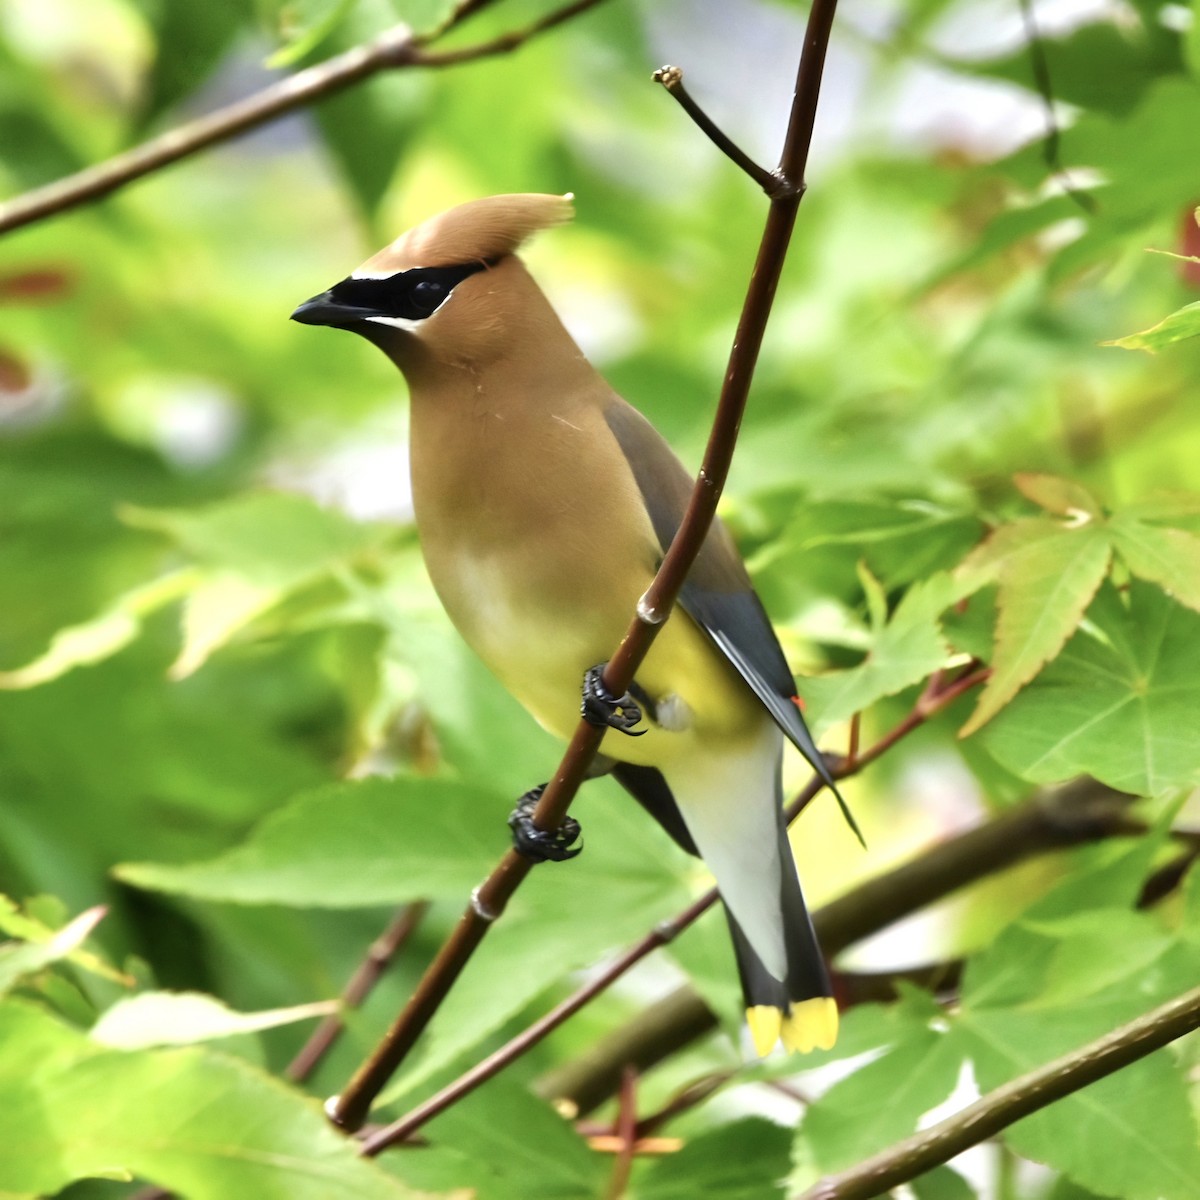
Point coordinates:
[[542, 845], [601, 708]]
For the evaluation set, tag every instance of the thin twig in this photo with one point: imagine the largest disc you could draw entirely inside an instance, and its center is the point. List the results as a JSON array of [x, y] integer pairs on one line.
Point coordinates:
[[688, 1097], [396, 48], [933, 699], [402, 1129], [378, 958], [1051, 144], [1000, 1108], [672, 79], [627, 1133], [349, 1110], [505, 42], [853, 740]]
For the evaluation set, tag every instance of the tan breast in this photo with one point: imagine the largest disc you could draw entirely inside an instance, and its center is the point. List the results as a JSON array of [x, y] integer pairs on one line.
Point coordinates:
[[531, 525]]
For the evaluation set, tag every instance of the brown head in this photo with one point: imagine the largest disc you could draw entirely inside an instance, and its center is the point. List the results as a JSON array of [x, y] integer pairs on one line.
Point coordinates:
[[450, 292]]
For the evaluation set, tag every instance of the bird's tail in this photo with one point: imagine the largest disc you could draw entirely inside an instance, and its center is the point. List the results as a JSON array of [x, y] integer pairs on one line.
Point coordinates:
[[799, 1010]]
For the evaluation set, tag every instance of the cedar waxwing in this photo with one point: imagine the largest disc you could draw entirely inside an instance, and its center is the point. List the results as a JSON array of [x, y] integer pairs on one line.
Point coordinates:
[[544, 505]]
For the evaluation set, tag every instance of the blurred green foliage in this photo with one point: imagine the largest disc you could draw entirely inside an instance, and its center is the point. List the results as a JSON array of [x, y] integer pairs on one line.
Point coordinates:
[[214, 621]]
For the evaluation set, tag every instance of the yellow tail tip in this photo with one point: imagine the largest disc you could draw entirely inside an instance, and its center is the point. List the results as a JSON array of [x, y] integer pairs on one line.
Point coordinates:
[[809, 1025], [765, 1024]]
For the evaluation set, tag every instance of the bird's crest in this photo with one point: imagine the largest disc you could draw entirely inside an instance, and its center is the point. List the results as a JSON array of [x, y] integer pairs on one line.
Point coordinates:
[[480, 231]]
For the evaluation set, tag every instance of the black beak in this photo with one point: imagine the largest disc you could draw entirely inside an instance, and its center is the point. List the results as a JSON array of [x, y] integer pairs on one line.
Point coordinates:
[[326, 310]]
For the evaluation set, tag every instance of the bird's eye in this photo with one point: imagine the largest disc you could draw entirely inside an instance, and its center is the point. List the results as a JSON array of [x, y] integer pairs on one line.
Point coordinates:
[[427, 295]]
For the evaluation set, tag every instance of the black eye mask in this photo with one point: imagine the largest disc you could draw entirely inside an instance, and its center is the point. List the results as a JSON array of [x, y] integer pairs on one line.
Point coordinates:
[[412, 295]]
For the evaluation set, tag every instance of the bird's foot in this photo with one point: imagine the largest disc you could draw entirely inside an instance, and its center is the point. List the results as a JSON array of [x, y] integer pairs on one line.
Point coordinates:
[[602, 709], [542, 845]]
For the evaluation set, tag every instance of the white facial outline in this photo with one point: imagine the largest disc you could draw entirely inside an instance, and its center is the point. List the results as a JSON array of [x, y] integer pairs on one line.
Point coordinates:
[[407, 324]]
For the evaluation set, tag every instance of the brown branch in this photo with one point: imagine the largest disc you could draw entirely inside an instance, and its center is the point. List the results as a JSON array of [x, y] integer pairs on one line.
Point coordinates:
[[396, 48], [1000, 1108], [349, 1110], [672, 79], [377, 960], [1082, 812], [505, 42], [627, 1134]]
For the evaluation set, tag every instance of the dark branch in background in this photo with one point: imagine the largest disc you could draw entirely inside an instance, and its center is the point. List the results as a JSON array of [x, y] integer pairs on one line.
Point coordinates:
[[1002, 1107], [1051, 145], [378, 958], [394, 49], [883, 987], [1082, 812], [349, 1110]]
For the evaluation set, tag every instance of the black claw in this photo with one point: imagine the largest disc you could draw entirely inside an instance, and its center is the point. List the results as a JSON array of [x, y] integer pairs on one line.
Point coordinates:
[[602, 709], [542, 845]]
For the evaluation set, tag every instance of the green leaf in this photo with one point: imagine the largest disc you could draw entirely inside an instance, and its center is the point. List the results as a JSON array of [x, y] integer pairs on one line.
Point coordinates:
[[1182, 324], [196, 1123], [219, 605], [504, 1143], [1098, 66], [305, 25], [277, 539], [21, 959], [1131, 1135], [848, 1123], [257, 548], [482, 731], [942, 1184], [706, 954], [98, 639], [190, 42], [746, 1159], [382, 111], [1047, 577], [1163, 506], [629, 877], [348, 845], [1097, 950], [905, 651], [1079, 963], [900, 541], [182, 1018], [1168, 557], [1025, 964], [1055, 495], [1118, 703]]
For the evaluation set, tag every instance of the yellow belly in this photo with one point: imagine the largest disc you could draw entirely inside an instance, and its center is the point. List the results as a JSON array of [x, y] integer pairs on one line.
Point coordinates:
[[540, 650]]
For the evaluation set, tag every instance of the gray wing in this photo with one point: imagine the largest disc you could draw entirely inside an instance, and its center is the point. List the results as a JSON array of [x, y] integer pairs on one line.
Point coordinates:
[[718, 594]]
